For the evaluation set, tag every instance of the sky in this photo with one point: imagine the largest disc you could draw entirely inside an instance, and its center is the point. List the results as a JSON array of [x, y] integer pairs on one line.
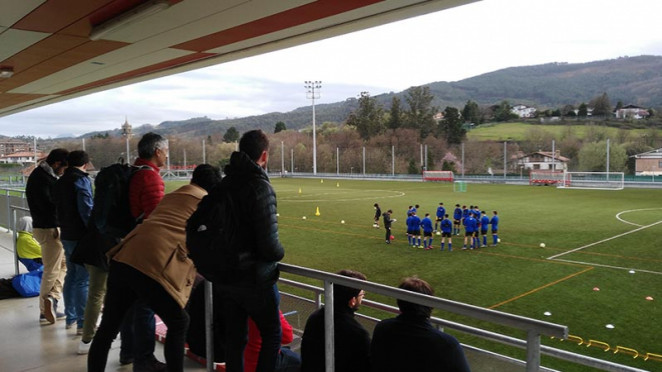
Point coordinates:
[[450, 45]]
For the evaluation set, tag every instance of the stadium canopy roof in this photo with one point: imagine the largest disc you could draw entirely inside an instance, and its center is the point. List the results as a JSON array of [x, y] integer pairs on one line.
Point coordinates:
[[54, 50]]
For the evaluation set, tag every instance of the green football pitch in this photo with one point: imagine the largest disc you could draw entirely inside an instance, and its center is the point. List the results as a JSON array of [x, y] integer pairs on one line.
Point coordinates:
[[599, 273]]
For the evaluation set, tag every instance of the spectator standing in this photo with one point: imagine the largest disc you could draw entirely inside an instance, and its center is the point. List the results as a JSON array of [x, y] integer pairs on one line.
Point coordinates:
[[151, 265], [352, 341], [38, 192], [409, 342], [251, 289], [146, 189], [73, 200], [27, 248]]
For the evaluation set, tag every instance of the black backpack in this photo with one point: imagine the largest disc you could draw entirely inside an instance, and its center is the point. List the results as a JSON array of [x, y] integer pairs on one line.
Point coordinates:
[[112, 211], [210, 235]]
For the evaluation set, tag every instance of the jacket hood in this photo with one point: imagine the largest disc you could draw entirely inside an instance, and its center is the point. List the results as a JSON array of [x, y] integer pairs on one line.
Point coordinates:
[[240, 164]]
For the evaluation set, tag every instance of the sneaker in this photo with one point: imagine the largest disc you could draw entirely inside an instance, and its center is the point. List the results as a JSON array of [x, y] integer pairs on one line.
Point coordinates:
[[70, 324], [79, 331], [84, 347], [43, 320], [125, 360], [49, 309], [149, 365]]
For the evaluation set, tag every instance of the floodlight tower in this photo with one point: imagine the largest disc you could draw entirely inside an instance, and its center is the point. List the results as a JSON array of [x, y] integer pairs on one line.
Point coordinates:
[[126, 132], [313, 93]]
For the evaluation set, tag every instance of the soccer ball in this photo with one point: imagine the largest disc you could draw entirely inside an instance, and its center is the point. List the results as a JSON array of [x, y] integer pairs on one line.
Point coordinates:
[[498, 240], [342, 221], [542, 245], [303, 218], [392, 237], [438, 233]]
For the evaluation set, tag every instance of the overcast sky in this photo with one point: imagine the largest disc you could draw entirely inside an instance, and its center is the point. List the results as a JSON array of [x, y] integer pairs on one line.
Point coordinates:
[[446, 46]]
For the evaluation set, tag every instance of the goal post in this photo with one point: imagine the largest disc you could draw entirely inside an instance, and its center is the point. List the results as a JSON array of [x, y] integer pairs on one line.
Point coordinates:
[[545, 177], [445, 176], [593, 180]]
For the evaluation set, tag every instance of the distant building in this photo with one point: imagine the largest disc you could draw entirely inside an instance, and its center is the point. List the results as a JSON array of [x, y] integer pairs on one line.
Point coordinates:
[[10, 146], [523, 111], [631, 112], [21, 157], [541, 160], [648, 163]]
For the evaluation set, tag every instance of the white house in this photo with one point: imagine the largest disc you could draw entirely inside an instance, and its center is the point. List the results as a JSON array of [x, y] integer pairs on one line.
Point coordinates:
[[542, 160], [631, 112], [523, 111], [648, 163], [21, 157]]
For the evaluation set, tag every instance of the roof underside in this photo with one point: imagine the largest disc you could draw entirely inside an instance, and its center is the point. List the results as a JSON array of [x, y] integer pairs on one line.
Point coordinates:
[[47, 45]]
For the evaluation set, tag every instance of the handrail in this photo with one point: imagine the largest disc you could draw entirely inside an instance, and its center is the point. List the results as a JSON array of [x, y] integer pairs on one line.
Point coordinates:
[[12, 226]]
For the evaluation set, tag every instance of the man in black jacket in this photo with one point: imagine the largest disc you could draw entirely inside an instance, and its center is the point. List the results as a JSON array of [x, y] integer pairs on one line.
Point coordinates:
[[38, 192], [251, 288], [409, 342], [73, 199], [352, 341]]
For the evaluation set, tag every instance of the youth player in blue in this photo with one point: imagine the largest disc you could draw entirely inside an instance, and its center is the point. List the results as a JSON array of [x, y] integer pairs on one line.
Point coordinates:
[[495, 228], [484, 223], [408, 223], [441, 211], [426, 224], [469, 231], [457, 219], [446, 231], [415, 227]]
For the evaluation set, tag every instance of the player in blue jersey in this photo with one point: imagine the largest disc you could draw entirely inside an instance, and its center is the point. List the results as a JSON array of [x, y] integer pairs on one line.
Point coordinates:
[[415, 230], [457, 219], [495, 228], [470, 225], [441, 211], [426, 225], [446, 232], [484, 224]]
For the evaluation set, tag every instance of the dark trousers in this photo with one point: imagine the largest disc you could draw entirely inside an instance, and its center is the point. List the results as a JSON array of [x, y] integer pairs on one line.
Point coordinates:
[[127, 285], [137, 333], [388, 233], [261, 304]]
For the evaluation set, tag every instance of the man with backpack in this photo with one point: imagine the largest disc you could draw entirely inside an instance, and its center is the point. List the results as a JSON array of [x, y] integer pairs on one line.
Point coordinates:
[[249, 288], [38, 192], [146, 189]]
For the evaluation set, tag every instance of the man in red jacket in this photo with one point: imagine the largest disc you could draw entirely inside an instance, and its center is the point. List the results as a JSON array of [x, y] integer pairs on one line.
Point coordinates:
[[146, 189]]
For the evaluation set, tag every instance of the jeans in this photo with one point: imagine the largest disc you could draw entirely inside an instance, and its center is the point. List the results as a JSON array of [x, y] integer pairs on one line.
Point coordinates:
[[288, 361], [137, 333], [126, 286], [76, 283], [55, 266], [95, 295], [261, 304]]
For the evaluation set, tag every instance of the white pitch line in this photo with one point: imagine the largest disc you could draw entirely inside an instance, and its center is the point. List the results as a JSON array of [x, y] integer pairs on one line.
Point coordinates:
[[618, 215], [610, 266], [604, 240]]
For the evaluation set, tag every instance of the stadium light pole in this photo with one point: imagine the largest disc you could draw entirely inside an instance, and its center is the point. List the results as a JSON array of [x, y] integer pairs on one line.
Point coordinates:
[[313, 93]]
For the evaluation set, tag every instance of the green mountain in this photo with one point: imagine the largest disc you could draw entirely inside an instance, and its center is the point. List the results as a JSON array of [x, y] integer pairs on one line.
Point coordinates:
[[631, 80]]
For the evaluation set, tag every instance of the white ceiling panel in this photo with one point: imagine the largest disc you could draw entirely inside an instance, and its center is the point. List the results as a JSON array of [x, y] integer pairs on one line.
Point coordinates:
[[13, 41]]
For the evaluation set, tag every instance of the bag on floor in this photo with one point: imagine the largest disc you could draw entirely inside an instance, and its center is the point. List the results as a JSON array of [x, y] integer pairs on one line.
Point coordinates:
[[27, 285]]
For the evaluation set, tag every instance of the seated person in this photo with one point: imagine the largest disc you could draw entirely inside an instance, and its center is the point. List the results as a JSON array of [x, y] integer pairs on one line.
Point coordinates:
[[288, 360], [409, 342], [28, 249]]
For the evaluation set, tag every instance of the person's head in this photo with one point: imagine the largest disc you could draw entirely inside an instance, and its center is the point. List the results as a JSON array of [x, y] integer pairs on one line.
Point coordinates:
[[255, 144], [376, 205], [347, 296], [441, 203], [153, 147], [417, 285], [457, 206], [206, 176], [57, 159], [494, 212], [78, 158], [483, 213], [445, 216], [427, 215], [389, 211]]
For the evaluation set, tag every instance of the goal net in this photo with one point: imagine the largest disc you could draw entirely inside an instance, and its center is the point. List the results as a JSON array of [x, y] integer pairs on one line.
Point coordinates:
[[594, 180], [438, 176], [548, 177]]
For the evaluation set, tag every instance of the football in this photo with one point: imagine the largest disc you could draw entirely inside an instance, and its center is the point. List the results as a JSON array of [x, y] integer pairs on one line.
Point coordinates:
[[438, 233], [542, 245]]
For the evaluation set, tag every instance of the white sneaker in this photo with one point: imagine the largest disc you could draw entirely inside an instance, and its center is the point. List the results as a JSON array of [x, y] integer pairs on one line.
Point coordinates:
[[84, 348]]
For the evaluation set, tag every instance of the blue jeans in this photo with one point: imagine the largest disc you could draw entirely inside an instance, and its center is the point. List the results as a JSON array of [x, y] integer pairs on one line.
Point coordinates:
[[138, 333], [76, 283], [261, 304], [288, 361]]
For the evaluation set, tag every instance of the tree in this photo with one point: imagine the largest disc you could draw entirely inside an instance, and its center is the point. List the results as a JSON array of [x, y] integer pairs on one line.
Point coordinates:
[[582, 111], [231, 135], [395, 117], [503, 112], [421, 112], [451, 126], [280, 126], [471, 112], [601, 105], [368, 118], [593, 157]]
